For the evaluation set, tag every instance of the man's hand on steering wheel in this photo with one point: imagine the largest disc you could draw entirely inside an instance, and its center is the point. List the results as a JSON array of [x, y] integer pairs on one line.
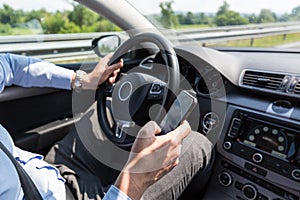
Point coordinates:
[[101, 73]]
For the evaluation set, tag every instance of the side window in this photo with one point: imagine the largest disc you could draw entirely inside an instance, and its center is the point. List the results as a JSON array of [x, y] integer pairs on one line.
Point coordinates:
[[59, 31]]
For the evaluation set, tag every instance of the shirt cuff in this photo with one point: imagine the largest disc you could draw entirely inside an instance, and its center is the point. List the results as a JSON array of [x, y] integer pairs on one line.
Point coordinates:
[[61, 77], [114, 193]]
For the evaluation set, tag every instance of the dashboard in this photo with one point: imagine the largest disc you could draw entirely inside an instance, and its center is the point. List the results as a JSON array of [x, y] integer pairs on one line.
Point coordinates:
[[249, 108]]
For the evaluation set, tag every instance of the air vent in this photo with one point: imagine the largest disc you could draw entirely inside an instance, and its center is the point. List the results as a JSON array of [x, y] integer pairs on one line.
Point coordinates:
[[263, 80], [297, 88]]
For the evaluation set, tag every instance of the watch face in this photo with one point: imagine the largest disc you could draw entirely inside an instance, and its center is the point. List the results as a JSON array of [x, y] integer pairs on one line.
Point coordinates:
[[77, 83], [79, 75]]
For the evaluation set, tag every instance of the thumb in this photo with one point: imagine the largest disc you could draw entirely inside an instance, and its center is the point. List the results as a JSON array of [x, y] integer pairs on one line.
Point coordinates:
[[149, 130]]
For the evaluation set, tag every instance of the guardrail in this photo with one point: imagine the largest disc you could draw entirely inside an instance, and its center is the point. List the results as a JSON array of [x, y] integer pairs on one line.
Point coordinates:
[[223, 34], [60, 47]]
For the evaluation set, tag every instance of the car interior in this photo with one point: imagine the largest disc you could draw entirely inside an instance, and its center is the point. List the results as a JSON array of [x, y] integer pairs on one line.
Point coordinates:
[[248, 106]]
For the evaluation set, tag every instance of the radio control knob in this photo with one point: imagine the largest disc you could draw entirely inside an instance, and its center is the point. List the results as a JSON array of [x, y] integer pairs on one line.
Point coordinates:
[[257, 158], [227, 145], [249, 192], [225, 179]]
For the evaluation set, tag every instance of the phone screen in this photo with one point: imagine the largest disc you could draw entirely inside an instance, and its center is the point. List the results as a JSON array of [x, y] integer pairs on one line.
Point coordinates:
[[179, 111]]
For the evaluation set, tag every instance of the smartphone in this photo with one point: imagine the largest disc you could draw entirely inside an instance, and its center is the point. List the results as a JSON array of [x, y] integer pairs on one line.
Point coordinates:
[[178, 112]]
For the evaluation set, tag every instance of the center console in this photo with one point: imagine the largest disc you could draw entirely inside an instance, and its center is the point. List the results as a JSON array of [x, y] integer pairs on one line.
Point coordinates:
[[258, 158]]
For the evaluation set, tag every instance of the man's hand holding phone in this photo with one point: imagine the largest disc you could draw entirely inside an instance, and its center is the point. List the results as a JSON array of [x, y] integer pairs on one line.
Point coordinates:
[[154, 154], [151, 158]]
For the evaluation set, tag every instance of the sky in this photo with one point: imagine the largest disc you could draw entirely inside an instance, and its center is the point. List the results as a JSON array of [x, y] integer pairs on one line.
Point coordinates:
[[241, 6], [152, 6]]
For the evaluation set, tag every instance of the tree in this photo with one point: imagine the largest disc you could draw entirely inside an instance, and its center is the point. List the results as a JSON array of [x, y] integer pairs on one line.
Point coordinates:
[[226, 17], [8, 15], [54, 23], [70, 27], [203, 19], [5, 29], [295, 15], [35, 15], [82, 16], [168, 19], [230, 18], [252, 18], [223, 9], [284, 18], [266, 16], [190, 18], [181, 18]]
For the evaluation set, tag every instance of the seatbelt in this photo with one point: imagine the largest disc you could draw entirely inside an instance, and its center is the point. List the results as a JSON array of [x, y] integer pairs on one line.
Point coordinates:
[[29, 188]]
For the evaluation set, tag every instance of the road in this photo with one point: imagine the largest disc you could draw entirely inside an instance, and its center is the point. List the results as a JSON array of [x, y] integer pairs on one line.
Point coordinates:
[[293, 45]]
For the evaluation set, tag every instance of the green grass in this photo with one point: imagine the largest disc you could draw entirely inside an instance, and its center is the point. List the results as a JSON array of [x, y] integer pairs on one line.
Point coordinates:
[[269, 41], [193, 26], [22, 31]]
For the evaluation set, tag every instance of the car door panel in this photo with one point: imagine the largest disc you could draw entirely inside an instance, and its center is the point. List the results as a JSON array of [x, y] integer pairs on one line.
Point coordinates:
[[38, 116]]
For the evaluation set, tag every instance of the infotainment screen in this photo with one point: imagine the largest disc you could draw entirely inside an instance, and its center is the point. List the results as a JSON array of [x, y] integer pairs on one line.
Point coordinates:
[[271, 138]]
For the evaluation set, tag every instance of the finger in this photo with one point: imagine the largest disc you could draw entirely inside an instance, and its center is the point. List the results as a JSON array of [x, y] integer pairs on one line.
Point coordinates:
[[180, 132], [148, 130], [115, 73], [115, 68], [117, 65], [111, 80], [113, 76]]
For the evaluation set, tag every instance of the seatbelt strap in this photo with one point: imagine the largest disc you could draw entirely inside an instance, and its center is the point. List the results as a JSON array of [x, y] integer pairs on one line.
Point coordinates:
[[29, 188]]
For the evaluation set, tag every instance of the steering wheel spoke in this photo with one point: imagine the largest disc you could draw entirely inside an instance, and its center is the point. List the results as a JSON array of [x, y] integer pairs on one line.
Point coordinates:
[[109, 89], [121, 126]]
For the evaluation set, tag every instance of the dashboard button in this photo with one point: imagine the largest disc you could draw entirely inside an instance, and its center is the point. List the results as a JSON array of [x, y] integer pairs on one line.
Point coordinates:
[[255, 169], [249, 192], [286, 170], [296, 174], [227, 145], [257, 158], [238, 185], [234, 128], [262, 197], [225, 179]]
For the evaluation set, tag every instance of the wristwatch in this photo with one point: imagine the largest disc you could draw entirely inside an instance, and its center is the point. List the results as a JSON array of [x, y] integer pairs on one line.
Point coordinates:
[[78, 79]]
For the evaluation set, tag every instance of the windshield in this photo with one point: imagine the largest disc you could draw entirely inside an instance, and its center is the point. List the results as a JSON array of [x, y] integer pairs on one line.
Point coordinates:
[[230, 23], [212, 23]]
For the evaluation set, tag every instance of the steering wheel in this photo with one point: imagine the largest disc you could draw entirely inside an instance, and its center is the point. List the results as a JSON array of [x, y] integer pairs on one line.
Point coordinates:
[[136, 92]]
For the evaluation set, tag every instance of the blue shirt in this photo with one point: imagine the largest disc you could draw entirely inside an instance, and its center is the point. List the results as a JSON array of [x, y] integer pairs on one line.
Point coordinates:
[[29, 72], [114, 193]]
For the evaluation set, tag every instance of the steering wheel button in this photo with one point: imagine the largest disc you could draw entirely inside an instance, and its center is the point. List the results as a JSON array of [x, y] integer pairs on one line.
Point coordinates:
[[156, 89]]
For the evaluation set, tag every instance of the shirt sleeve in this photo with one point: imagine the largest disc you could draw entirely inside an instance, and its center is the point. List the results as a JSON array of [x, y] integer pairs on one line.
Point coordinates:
[[32, 72], [114, 193]]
